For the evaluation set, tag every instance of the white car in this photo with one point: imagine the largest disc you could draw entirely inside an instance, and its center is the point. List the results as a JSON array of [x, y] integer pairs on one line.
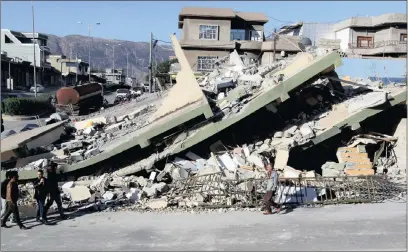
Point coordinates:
[[40, 88], [122, 92], [136, 92]]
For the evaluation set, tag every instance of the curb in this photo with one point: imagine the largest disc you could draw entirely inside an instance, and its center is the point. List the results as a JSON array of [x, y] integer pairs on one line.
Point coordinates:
[[22, 118]]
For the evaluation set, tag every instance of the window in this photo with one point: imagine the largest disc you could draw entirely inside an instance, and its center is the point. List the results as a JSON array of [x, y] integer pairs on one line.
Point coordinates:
[[8, 40], [237, 34], [403, 37], [364, 42], [209, 32], [206, 63], [256, 35]]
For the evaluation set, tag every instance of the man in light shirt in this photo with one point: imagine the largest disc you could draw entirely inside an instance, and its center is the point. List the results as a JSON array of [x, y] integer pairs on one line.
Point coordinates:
[[271, 188]]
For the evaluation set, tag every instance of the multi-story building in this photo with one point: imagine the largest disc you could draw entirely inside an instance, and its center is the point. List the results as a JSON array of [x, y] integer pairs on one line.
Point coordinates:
[[378, 36], [19, 45], [71, 70], [211, 33]]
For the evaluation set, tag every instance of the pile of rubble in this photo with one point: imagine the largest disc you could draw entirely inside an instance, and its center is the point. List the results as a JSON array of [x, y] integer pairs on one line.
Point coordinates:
[[230, 176], [85, 139], [229, 86]]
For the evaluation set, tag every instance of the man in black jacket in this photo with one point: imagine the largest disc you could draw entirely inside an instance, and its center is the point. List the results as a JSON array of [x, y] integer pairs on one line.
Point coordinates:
[[40, 193], [11, 204], [53, 190], [4, 192]]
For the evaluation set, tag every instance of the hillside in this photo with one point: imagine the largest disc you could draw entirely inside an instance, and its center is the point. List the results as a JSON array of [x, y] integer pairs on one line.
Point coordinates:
[[101, 54]]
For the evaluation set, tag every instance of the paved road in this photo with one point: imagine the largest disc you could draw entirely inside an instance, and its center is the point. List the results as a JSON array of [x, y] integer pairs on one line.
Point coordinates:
[[347, 227], [143, 100]]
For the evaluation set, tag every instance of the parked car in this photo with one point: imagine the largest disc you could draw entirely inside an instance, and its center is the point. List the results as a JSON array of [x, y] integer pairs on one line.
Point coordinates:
[[123, 92], [40, 88], [136, 92]]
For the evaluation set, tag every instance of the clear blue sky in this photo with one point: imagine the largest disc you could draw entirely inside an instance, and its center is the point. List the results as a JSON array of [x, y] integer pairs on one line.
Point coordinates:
[[134, 20]]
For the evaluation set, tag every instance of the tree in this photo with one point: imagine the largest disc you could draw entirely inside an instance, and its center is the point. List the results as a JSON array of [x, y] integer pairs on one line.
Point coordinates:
[[163, 69]]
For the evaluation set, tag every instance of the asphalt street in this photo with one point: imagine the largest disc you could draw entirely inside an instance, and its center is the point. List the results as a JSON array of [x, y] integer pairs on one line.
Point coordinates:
[[375, 227]]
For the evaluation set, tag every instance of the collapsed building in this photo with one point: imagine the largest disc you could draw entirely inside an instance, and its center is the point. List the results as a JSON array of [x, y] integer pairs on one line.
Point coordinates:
[[208, 140]]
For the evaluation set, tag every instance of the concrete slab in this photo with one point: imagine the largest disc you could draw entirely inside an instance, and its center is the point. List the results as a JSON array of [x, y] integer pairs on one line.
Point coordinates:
[[186, 91], [32, 138]]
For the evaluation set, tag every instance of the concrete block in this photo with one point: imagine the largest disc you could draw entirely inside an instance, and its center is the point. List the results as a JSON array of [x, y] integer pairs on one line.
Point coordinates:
[[77, 156], [181, 173], [282, 158], [109, 195], [60, 116], [185, 164], [152, 176], [227, 162], [306, 131], [92, 152], [161, 187], [209, 169], [150, 191], [157, 203], [238, 160], [79, 193], [72, 144], [278, 134], [256, 160], [289, 172], [133, 195]]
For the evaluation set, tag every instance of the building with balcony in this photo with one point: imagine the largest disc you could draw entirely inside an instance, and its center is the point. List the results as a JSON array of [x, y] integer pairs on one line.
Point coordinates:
[[378, 36], [211, 33], [71, 71], [19, 45]]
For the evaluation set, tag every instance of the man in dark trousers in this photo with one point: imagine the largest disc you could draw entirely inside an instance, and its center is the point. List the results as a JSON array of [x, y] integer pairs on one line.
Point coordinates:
[[271, 188], [53, 190], [40, 193], [11, 202], [4, 192]]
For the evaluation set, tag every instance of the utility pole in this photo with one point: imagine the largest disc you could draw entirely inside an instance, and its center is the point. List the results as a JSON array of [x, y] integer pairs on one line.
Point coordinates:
[[89, 51], [34, 63], [127, 64], [76, 72], [274, 44], [150, 63]]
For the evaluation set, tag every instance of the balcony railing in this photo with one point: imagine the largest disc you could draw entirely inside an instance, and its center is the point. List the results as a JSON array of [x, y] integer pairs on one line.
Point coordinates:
[[378, 44]]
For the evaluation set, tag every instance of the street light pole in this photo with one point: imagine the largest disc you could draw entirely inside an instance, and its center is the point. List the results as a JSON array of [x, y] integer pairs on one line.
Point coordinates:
[[34, 63], [89, 47], [89, 51], [113, 56]]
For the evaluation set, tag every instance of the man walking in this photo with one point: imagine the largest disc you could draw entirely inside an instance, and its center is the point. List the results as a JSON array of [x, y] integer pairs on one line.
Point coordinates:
[[4, 192], [271, 190], [40, 193], [12, 195], [53, 190]]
